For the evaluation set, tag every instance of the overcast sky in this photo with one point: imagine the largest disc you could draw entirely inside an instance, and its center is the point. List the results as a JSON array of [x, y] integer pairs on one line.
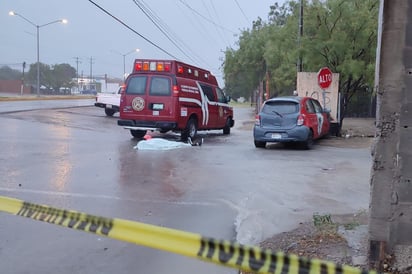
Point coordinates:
[[199, 30]]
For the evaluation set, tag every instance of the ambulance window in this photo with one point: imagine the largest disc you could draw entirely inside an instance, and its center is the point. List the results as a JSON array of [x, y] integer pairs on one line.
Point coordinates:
[[221, 98], [136, 85], [160, 86], [208, 91]]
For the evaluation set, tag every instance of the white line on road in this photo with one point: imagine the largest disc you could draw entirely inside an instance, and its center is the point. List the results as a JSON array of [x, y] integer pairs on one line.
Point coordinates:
[[99, 196]]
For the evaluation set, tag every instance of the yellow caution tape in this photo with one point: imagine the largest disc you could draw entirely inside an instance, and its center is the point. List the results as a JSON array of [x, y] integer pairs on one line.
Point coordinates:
[[247, 258]]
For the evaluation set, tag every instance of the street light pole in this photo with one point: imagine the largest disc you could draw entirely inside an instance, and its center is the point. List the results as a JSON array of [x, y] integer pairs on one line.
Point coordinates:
[[124, 67], [64, 21], [124, 60], [38, 61]]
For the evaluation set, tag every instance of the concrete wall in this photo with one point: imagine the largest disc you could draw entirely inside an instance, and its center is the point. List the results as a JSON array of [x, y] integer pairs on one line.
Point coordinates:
[[307, 85], [391, 182], [13, 86]]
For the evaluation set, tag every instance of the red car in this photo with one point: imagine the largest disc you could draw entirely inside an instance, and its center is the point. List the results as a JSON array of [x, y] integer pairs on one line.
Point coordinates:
[[291, 119]]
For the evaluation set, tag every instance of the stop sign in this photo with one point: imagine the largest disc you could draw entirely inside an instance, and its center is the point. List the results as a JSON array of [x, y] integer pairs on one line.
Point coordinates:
[[324, 77]]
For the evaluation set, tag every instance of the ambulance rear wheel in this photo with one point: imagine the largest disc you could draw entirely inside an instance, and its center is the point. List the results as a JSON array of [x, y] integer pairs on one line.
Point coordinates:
[[226, 129], [190, 130], [138, 133]]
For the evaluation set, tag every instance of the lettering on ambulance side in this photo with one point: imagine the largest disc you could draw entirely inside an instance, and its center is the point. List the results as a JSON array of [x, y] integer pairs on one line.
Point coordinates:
[[188, 89]]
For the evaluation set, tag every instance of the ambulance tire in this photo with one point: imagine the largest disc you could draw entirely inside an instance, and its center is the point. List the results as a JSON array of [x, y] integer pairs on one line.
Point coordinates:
[[190, 130], [226, 129], [138, 133]]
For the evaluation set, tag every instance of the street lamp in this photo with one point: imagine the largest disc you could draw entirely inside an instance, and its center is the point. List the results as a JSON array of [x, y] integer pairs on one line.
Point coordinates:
[[124, 60], [63, 21]]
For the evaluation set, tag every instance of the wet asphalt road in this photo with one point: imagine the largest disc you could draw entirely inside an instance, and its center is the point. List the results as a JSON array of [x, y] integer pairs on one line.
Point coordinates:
[[77, 158]]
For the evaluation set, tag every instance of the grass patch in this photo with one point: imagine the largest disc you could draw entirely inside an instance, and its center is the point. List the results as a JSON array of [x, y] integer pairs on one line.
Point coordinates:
[[46, 97], [242, 105]]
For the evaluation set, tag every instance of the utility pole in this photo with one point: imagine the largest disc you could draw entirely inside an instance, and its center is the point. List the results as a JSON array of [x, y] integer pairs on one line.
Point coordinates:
[[390, 220], [77, 72], [91, 71], [22, 80], [300, 62]]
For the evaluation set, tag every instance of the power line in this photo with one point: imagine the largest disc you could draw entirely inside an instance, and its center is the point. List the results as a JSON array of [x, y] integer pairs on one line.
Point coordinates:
[[241, 10], [127, 26], [204, 17], [218, 19], [165, 29], [158, 23]]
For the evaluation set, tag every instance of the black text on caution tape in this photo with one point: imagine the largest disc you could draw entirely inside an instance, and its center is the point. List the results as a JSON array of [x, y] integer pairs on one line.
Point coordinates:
[[75, 220]]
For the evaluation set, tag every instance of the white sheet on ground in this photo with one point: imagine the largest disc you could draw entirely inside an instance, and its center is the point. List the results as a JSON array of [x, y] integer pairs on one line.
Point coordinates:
[[159, 144]]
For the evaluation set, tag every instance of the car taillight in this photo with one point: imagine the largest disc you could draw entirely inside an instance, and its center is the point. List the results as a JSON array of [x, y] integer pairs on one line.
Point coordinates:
[[257, 120], [175, 90], [301, 120]]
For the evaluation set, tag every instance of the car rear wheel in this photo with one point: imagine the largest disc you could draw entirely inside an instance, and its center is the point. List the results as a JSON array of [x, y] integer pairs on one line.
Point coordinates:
[[260, 144], [190, 130], [109, 112], [308, 144], [138, 133]]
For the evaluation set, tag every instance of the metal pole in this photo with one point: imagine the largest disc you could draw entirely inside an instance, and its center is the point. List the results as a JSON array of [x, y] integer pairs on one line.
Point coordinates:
[[22, 80], [300, 62], [124, 67], [64, 21], [38, 61]]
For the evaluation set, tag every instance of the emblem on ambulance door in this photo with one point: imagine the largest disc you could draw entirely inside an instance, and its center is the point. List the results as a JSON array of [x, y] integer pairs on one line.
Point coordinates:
[[138, 103]]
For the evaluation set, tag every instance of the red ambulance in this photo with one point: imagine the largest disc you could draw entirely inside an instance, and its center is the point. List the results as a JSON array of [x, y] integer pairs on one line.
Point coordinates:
[[166, 95]]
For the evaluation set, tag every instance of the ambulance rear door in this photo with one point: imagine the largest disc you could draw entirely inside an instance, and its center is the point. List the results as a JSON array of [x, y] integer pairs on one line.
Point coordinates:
[[150, 98]]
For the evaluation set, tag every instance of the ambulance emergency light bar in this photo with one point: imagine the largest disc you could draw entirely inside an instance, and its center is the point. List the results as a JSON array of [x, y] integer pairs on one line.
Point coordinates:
[[165, 66]]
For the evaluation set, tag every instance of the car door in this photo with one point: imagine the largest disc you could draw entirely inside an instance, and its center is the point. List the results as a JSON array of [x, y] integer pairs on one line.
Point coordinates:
[[323, 122], [312, 117]]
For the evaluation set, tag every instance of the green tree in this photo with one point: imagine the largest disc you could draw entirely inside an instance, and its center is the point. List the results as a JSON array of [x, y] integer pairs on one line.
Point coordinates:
[[52, 78], [245, 68], [63, 75], [45, 75], [281, 51], [7, 73], [260, 51], [340, 34]]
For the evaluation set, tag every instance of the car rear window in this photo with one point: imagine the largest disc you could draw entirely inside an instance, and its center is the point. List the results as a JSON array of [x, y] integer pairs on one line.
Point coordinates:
[[136, 85], [282, 107], [160, 86]]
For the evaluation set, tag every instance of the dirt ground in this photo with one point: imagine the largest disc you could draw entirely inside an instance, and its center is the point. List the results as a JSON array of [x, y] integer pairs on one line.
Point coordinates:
[[342, 239]]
